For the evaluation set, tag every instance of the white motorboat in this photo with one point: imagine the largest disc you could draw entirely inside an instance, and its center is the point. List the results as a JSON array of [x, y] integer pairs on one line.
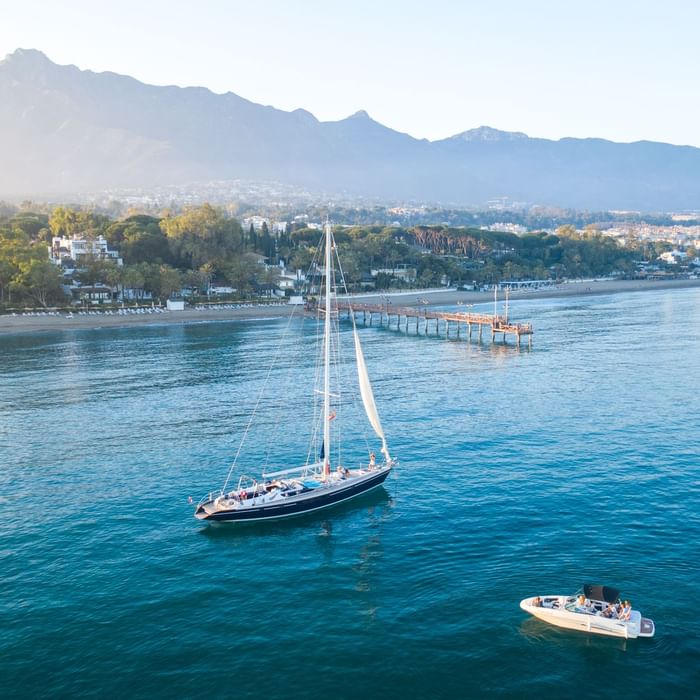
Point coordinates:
[[595, 609]]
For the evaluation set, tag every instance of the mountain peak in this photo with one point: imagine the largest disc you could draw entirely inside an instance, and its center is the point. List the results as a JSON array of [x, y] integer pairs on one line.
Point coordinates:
[[305, 116], [360, 114], [26, 56], [487, 133]]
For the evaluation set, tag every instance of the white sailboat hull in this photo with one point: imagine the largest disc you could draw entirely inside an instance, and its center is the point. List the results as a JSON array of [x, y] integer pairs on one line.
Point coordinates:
[[559, 610]]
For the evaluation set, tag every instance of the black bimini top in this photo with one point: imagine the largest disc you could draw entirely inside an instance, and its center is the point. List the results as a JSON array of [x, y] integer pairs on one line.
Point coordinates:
[[606, 593]]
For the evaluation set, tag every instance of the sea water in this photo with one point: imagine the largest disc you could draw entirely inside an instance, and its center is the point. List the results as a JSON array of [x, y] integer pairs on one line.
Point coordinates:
[[522, 472]]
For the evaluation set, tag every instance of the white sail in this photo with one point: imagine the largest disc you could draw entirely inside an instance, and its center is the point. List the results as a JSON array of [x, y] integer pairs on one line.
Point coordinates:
[[368, 396]]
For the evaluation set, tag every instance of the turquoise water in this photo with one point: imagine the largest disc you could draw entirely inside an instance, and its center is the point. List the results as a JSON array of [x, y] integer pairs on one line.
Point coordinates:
[[521, 473]]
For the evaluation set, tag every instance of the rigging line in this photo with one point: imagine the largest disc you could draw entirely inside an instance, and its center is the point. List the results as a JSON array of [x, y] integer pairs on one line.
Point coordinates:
[[259, 399], [313, 441], [282, 394], [355, 387], [313, 264]]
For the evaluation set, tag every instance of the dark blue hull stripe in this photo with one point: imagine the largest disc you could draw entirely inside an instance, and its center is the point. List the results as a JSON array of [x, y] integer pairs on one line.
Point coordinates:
[[285, 510]]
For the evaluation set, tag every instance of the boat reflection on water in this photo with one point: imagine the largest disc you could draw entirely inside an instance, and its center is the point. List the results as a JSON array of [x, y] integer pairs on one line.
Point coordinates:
[[539, 632], [359, 552]]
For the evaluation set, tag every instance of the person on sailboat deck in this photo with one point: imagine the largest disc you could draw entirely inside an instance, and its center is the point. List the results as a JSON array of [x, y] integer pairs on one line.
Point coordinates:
[[372, 460]]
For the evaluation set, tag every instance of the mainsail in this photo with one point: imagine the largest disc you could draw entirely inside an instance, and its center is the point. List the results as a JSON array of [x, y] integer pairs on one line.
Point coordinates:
[[368, 396]]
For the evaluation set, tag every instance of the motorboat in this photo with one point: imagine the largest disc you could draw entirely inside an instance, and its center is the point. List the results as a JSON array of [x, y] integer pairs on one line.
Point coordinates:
[[593, 608]]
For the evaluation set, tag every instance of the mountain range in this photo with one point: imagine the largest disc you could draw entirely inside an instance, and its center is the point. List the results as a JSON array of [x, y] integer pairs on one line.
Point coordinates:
[[66, 131]]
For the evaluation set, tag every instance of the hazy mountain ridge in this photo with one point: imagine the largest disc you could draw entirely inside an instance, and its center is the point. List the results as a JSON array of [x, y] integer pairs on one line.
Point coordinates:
[[66, 130]]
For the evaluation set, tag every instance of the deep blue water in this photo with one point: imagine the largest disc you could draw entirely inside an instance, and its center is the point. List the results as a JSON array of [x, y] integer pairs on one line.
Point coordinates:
[[521, 473]]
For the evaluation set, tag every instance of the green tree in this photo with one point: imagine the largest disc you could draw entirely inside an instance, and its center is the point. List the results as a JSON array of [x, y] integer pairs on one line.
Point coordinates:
[[202, 234], [242, 273], [92, 270], [31, 224], [145, 245], [267, 243], [113, 275], [206, 274], [7, 273], [16, 252], [252, 238], [42, 281], [134, 279], [63, 221], [169, 280]]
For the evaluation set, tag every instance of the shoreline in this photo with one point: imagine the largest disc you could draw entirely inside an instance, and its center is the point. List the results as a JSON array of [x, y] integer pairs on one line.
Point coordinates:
[[10, 324]]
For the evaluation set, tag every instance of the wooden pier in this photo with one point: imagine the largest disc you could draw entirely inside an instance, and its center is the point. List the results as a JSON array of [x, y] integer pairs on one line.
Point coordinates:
[[421, 319]]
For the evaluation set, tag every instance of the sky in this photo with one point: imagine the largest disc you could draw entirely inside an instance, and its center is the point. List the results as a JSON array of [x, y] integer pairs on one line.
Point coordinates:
[[619, 69]]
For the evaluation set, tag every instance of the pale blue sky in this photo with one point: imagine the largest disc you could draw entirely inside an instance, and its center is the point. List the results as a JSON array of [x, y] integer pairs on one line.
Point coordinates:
[[618, 69]]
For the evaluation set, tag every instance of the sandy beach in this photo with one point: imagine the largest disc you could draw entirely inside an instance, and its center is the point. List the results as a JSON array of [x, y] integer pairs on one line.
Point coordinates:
[[32, 323]]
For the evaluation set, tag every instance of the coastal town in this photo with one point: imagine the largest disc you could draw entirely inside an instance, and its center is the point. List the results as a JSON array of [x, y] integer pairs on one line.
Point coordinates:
[[80, 259]]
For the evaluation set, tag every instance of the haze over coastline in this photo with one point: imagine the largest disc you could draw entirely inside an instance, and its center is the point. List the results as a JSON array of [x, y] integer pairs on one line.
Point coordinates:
[[66, 131]]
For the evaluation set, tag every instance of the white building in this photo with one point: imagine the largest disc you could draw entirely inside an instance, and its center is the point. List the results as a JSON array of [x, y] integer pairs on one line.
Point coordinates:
[[405, 273], [673, 257], [290, 279], [78, 248]]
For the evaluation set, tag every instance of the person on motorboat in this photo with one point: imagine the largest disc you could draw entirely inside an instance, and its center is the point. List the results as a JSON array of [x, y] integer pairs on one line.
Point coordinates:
[[610, 612], [583, 605], [626, 611]]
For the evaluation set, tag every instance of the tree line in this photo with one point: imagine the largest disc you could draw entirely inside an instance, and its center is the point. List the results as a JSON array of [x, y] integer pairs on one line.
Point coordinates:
[[203, 245]]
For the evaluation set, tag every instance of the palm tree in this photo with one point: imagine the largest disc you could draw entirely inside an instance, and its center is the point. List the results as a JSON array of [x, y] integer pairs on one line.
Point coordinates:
[[113, 276]]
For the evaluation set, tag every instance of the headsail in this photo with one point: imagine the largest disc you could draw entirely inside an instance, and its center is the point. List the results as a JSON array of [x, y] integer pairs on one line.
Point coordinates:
[[368, 396]]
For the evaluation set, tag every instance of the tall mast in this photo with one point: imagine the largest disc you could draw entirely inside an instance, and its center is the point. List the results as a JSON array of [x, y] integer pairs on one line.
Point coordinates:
[[326, 360]]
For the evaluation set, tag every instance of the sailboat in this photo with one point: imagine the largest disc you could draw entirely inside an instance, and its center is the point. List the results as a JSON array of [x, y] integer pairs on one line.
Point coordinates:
[[320, 482]]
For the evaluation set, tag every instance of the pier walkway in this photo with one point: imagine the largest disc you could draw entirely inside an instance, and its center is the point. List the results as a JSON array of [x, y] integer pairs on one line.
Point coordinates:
[[421, 319]]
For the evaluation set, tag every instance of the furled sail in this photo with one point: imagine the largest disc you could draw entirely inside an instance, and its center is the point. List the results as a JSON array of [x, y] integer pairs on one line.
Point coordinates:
[[368, 396]]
